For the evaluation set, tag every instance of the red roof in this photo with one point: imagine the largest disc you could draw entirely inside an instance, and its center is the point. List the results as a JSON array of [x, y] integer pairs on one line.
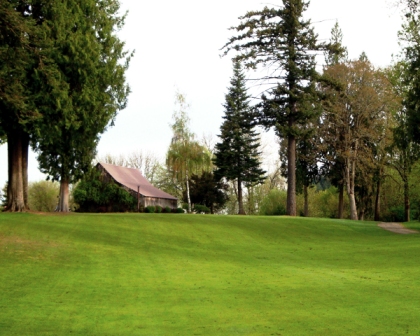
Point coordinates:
[[132, 179]]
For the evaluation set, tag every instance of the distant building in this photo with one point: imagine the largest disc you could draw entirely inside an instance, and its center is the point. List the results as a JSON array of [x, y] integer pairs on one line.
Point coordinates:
[[137, 185]]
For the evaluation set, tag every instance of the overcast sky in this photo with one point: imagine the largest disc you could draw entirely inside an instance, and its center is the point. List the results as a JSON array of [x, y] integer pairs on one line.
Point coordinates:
[[177, 46]]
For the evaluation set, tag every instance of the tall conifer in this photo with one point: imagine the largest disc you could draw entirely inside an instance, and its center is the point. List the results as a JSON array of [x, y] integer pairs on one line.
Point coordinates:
[[237, 155], [280, 40]]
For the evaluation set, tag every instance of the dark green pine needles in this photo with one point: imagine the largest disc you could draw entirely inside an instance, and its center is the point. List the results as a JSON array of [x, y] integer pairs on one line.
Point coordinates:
[[237, 155]]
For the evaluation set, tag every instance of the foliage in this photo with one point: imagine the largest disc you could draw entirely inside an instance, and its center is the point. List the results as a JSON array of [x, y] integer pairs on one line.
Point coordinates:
[[3, 197], [281, 40], [91, 61], [150, 209], [92, 194], [207, 191], [185, 155], [43, 196], [198, 208], [158, 209], [354, 122], [236, 155], [274, 204], [179, 210]]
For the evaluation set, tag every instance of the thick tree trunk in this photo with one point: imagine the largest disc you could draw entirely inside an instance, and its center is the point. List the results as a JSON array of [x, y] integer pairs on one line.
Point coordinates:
[[17, 191], [240, 200], [306, 201], [377, 216], [291, 175], [63, 204], [341, 201], [406, 201]]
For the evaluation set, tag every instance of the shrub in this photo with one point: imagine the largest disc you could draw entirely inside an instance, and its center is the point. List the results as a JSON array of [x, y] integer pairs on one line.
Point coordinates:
[[149, 209], [199, 208], [179, 210], [158, 209], [394, 214], [167, 209], [274, 204]]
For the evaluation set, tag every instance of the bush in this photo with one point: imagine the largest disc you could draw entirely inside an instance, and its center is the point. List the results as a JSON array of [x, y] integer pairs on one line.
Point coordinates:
[[179, 210], [167, 209], [274, 204], [198, 208], [149, 209], [43, 195], [158, 209], [394, 214]]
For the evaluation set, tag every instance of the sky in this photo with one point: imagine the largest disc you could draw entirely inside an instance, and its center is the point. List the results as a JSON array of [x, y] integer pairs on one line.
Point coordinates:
[[177, 47]]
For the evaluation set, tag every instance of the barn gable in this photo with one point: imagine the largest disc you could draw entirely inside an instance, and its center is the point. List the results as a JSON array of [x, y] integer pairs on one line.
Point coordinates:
[[134, 182]]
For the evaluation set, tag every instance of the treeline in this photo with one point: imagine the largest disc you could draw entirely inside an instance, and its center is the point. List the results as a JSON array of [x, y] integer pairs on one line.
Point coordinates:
[[349, 135]]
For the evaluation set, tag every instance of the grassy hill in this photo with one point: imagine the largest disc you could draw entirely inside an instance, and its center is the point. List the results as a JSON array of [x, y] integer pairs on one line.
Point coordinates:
[[151, 274]]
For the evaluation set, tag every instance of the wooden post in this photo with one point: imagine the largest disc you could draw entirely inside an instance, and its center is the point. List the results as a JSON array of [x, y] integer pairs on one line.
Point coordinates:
[[138, 198]]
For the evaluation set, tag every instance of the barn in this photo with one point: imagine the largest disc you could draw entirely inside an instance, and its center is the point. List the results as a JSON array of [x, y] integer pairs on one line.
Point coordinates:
[[134, 182]]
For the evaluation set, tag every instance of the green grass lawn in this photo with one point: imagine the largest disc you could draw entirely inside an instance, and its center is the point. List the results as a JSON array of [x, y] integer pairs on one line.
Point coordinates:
[[164, 274]]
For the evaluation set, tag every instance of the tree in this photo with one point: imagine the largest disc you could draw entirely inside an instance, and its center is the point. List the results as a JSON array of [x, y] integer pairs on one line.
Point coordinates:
[[279, 38], [185, 155], [24, 66], [206, 190], [404, 151], [94, 88], [237, 155], [355, 118], [410, 39]]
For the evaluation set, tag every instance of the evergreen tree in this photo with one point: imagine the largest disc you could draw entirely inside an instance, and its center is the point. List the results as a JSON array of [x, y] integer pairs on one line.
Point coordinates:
[[64, 62], [237, 155], [410, 36], [279, 38], [93, 92]]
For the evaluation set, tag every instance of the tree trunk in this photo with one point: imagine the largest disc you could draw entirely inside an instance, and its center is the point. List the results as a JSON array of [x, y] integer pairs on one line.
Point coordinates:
[[188, 191], [350, 177], [306, 201], [240, 200], [291, 175], [377, 216], [63, 203], [17, 191], [406, 201], [341, 200]]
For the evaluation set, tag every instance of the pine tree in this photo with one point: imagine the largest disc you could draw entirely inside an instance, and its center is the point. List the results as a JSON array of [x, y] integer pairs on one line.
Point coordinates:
[[237, 155], [283, 42]]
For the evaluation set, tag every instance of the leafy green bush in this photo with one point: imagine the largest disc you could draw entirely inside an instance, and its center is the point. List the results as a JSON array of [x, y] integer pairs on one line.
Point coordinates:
[[274, 204], [179, 210], [94, 195], [43, 195], [150, 209], [167, 209], [158, 209], [394, 214], [198, 208]]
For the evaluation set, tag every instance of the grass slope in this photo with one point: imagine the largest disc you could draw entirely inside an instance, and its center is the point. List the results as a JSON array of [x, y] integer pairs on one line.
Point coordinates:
[[150, 274]]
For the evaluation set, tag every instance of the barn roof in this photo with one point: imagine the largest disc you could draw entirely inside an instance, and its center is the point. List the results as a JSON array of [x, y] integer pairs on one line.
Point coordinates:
[[132, 178]]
